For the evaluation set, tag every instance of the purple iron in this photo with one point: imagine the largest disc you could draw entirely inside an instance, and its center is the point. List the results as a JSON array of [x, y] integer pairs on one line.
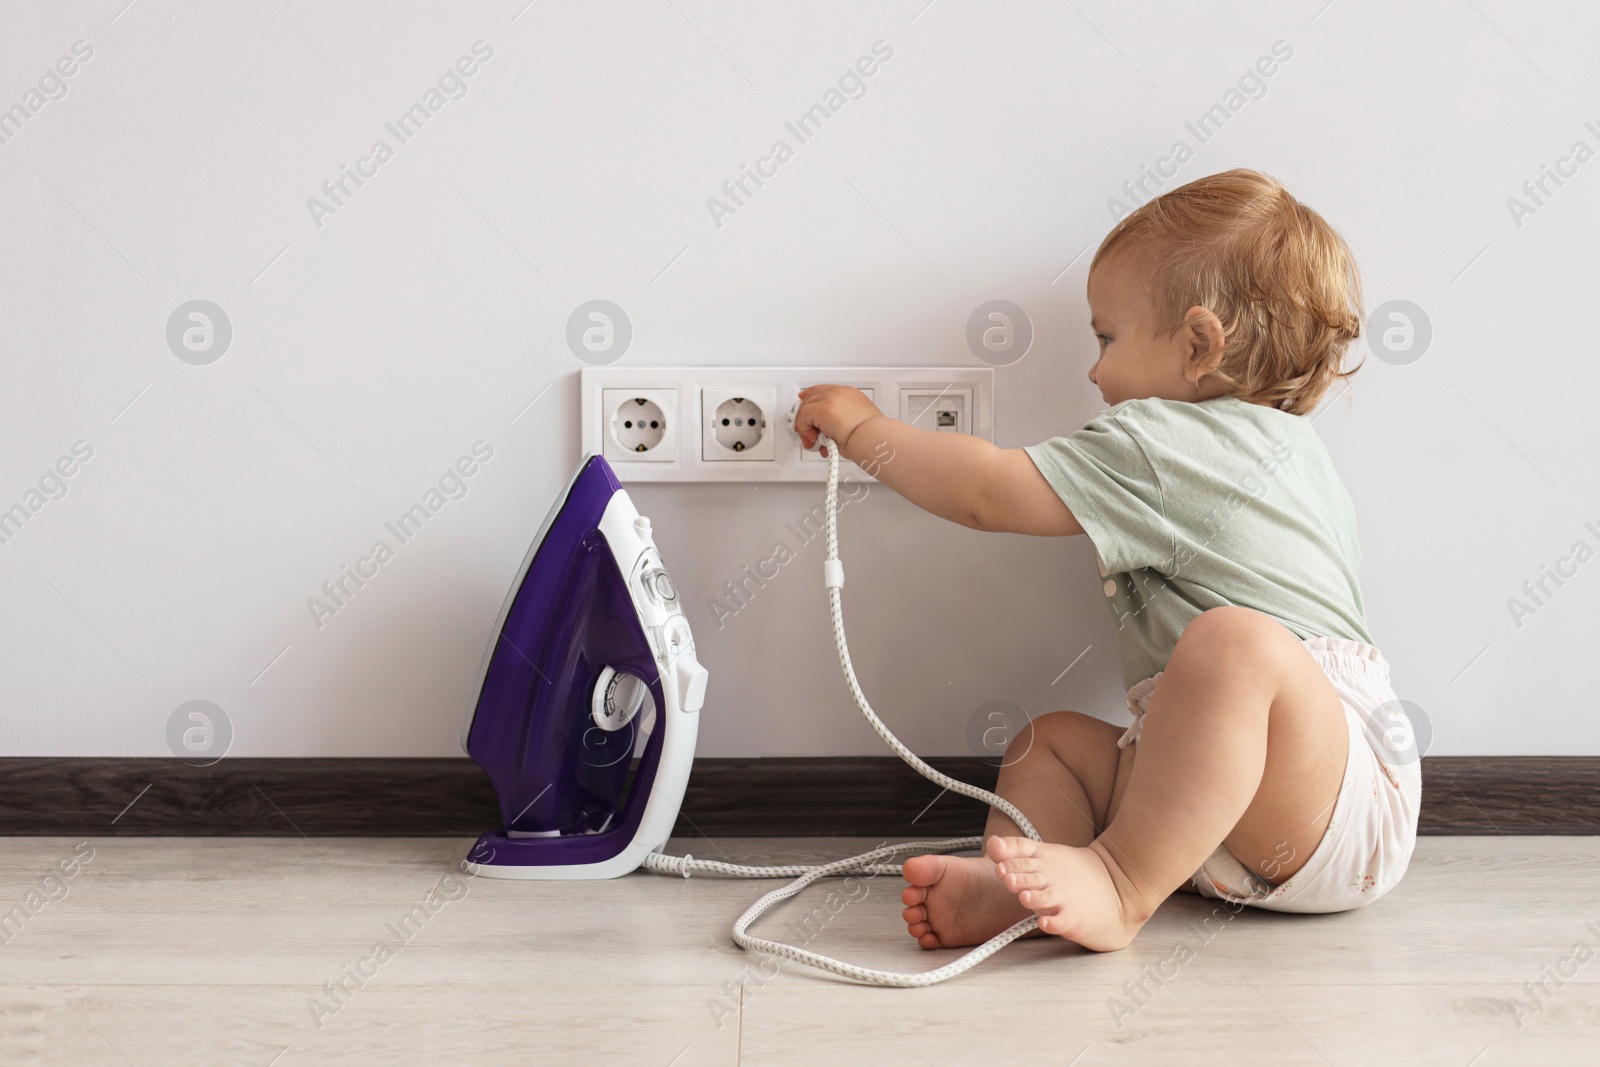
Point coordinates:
[[589, 700]]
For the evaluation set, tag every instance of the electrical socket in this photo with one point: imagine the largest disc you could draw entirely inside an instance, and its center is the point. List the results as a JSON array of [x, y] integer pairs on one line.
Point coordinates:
[[640, 426], [737, 423]]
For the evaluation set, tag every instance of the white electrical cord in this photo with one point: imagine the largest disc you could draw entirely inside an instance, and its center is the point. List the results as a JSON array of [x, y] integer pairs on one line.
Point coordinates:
[[867, 862]]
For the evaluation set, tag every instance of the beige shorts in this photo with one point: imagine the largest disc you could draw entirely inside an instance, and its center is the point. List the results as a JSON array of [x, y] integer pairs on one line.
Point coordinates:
[[1368, 843]]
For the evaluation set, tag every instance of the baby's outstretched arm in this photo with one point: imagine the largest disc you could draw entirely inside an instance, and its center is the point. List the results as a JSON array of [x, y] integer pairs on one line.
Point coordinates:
[[956, 476]]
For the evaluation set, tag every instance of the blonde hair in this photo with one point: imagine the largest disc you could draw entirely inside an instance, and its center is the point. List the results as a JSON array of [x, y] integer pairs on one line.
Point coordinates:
[[1282, 281]]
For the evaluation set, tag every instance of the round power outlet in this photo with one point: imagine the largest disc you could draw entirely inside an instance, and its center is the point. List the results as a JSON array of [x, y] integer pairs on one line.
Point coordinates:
[[638, 424], [738, 424]]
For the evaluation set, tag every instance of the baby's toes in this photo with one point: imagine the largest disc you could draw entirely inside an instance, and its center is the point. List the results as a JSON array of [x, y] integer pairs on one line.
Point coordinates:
[[1053, 924], [1020, 881], [1041, 899], [1010, 849], [915, 914], [1018, 863]]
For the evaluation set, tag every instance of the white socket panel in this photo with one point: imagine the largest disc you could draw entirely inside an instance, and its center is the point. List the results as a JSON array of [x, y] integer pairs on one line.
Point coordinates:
[[952, 399]]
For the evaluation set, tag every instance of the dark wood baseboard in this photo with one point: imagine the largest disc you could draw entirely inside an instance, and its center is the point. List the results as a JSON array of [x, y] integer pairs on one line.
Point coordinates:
[[861, 796]]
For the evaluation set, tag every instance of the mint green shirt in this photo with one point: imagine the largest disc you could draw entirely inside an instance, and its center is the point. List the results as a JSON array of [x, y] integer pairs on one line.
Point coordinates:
[[1196, 505]]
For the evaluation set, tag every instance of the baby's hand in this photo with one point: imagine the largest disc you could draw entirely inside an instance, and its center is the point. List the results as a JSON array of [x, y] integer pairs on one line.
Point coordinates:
[[834, 410]]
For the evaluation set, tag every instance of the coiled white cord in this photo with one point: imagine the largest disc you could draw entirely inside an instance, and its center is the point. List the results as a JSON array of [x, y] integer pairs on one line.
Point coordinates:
[[868, 862]]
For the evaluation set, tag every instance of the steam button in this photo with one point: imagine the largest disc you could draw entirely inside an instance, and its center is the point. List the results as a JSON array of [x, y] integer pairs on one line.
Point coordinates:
[[691, 679], [664, 586], [677, 634]]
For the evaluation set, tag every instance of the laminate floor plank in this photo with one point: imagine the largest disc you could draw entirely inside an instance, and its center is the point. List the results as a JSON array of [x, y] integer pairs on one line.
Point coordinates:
[[275, 952]]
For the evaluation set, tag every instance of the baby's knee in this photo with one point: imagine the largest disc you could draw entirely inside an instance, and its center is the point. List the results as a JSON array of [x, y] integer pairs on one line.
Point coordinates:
[[1058, 731], [1229, 635]]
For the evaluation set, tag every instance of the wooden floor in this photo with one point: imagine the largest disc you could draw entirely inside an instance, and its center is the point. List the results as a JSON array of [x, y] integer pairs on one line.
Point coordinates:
[[219, 950]]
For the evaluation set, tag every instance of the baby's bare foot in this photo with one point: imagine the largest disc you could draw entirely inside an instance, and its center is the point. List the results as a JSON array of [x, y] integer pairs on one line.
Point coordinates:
[[1070, 889], [956, 900]]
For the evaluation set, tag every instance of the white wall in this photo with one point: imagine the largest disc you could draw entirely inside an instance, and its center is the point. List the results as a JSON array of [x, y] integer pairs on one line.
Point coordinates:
[[373, 350]]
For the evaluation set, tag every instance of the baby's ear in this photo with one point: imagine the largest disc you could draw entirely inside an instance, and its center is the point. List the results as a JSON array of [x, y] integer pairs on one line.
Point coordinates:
[[1204, 335]]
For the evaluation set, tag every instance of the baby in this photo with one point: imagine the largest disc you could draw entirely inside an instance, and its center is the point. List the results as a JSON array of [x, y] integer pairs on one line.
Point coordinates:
[[1269, 762]]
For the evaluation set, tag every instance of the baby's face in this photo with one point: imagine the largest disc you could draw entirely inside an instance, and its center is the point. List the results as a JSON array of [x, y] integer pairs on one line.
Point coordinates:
[[1140, 356]]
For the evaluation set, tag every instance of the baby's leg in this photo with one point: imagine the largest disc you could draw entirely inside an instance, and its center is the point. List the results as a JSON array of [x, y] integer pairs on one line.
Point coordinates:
[[1244, 743], [1060, 772]]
